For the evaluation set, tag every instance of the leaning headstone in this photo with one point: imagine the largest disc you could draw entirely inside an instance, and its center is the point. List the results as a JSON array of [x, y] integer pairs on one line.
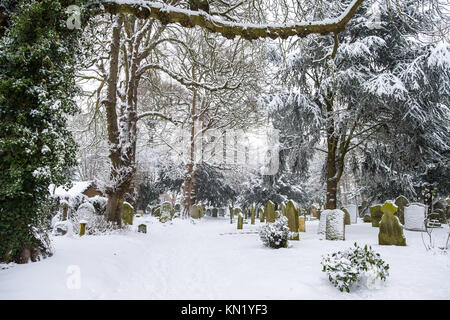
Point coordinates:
[[214, 212], [376, 214], [291, 214], [391, 231], [415, 216], [323, 221], [156, 211], [142, 228], [401, 202], [269, 211], [301, 224], [334, 225], [347, 216], [353, 211], [127, 213], [240, 218]]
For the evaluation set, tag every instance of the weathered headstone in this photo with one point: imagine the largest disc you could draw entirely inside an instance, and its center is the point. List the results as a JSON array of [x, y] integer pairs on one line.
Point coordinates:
[[240, 218], [353, 211], [301, 224], [415, 216], [291, 214], [214, 212], [334, 225], [221, 212], [142, 228], [347, 216], [127, 213], [269, 211], [252, 214], [195, 211], [140, 213], [208, 212], [376, 214], [391, 231], [177, 207], [367, 218], [401, 202], [156, 211]]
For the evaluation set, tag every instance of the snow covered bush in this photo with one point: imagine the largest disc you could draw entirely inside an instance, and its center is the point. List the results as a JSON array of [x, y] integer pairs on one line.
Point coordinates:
[[275, 234], [356, 264]]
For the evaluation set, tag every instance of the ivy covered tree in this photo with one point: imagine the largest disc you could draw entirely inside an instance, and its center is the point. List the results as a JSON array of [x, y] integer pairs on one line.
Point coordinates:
[[38, 55]]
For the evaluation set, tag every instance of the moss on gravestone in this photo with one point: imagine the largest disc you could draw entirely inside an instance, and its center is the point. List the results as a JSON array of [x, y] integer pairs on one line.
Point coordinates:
[[376, 214], [391, 231]]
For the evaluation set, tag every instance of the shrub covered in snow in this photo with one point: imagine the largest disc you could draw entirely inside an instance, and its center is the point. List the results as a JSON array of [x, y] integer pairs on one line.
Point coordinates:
[[344, 268], [275, 234]]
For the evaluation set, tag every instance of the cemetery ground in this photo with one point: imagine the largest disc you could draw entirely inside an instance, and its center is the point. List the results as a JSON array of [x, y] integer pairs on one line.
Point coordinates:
[[211, 259]]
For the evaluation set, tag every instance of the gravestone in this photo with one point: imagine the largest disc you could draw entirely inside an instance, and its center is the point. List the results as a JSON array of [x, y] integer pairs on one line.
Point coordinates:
[[301, 224], [156, 211], [214, 212], [347, 216], [269, 211], [291, 213], [82, 227], [376, 214], [64, 204], [334, 225], [401, 202], [391, 231], [221, 212], [415, 216], [208, 212], [142, 228], [252, 214], [195, 211], [240, 218], [367, 218], [140, 213], [127, 213], [323, 221], [353, 211]]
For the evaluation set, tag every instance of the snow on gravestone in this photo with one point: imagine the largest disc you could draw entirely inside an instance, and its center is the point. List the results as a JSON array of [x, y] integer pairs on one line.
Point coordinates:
[[334, 225], [323, 221], [353, 211], [415, 216]]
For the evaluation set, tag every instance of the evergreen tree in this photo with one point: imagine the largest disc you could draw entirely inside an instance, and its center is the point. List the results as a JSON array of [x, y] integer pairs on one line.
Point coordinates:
[[38, 55]]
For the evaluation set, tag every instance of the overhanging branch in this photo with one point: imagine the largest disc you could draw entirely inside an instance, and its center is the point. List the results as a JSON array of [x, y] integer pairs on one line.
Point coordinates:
[[188, 18]]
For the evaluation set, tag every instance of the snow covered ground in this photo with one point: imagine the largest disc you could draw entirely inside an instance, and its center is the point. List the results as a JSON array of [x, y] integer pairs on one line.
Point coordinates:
[[211, 260]]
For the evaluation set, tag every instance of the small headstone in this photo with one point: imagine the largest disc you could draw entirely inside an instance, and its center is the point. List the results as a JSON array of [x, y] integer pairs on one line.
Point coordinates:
[[401, 202], [315, 211], [214, 212], [195, 211], [142, 228], [261, 215], [376, 214], [334, 226], [391, 231], [140, 213], [367, 218], [221, 212], [82, 227], [301, 224]]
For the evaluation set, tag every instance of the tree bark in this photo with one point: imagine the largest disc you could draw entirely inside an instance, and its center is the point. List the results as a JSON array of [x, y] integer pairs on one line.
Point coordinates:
[[189, 18]]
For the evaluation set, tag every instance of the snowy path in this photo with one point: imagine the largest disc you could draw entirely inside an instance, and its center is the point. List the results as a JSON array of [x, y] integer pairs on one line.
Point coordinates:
[[204, 261]]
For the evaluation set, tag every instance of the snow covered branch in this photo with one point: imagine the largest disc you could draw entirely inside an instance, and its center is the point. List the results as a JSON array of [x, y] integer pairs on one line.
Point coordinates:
[[188, 18]]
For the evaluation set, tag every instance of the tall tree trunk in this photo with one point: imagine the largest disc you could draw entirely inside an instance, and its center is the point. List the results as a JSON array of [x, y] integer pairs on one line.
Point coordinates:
[[115, 197], [332, 142]]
